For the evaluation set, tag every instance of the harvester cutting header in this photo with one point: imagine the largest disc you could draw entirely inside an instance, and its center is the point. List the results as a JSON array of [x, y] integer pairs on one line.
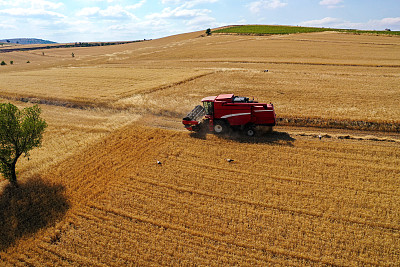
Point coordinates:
[[220, 114]]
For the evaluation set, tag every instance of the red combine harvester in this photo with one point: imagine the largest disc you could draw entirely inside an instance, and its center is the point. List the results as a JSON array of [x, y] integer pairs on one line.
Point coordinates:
[[226, 112]]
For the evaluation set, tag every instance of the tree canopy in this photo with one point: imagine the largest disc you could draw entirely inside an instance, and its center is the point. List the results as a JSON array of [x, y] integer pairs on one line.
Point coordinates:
[[20, 132]]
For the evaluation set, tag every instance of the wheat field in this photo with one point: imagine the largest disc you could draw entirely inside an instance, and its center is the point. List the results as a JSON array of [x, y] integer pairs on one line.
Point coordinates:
[[278, 203], [93, 194]]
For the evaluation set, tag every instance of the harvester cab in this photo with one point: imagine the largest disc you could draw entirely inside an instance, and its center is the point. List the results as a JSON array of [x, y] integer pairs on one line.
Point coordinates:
[[226, 112]]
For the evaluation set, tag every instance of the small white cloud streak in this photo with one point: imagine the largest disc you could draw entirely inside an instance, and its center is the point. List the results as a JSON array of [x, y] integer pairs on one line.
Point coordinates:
[[328, 21], [330, 2], [8, 27], [377, 24], [110, 12], [188, 4], [137, 5], [30, 12], [178, 12], [36, 4], [88, 11], [258, 6]]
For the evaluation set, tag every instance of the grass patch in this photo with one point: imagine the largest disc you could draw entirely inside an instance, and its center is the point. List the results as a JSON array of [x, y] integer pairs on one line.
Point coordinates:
[[269, 29]]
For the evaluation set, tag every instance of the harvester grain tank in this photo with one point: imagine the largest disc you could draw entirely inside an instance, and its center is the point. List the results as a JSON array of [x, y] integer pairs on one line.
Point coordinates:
[[226, 112]]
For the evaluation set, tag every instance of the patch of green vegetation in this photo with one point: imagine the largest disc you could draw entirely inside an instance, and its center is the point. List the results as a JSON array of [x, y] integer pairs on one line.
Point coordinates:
[[371, 32], [269, 29]]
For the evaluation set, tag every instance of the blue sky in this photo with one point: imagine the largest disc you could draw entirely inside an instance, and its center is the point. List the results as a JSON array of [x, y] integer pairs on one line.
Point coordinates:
[[122, 20]]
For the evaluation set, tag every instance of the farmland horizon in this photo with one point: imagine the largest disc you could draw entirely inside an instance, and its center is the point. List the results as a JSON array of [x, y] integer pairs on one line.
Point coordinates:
[[39, 40], [86, 21]]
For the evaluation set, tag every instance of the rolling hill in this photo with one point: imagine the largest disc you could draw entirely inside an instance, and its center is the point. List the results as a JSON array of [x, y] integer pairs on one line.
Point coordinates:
[[24, 41]]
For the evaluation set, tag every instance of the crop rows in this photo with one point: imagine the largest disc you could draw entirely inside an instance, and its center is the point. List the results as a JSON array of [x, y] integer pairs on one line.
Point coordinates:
[[276, 203], [271, 29]]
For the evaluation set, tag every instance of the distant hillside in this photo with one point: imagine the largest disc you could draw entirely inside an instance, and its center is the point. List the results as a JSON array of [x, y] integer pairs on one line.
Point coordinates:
[[26, 41], [277, 29]]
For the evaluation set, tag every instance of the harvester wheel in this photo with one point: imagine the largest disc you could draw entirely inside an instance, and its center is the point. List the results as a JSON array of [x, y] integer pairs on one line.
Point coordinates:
[[220, 127], [250, 131]]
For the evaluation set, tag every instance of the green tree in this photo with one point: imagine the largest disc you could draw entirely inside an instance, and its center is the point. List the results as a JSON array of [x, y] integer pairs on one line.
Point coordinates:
[[20, 132], [208, 31], [3, 63]]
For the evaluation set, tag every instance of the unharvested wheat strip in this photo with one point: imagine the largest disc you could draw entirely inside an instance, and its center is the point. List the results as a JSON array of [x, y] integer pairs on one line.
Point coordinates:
[[196, 192], [286, 178], [156, 192], [150, 236], [257, 182], [103, 220], [165, 196], [46, 257], [152, 223], [167, 204], [88, 217], [377, 157], [89, 250], [94, 248], [350, 164], [220, 239], [169, 198], [68, 258], [13, 260], [280, 208], [316, 155], [35, 256], [217, 196], [93, 216], [141, 234]]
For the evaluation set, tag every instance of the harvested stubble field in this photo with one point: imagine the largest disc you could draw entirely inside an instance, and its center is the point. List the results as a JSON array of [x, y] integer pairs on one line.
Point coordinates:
[[94, 195]]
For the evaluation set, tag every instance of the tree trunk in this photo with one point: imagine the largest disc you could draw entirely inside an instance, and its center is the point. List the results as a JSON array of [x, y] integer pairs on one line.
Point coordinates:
[[13, 178]]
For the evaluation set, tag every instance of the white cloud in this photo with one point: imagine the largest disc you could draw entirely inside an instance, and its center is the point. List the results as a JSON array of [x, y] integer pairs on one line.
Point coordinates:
[[179, 12], [258, 6], [8, 27], [88, 11], [200, 21], [30, 12], [45, 4], [147, 29], [380, 24], [188, 4], [37, 4], [331, 3], [325, 22], [182, 18], [32, 9], [111, 12], [115, 12], [240, 22], [137, 5]]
